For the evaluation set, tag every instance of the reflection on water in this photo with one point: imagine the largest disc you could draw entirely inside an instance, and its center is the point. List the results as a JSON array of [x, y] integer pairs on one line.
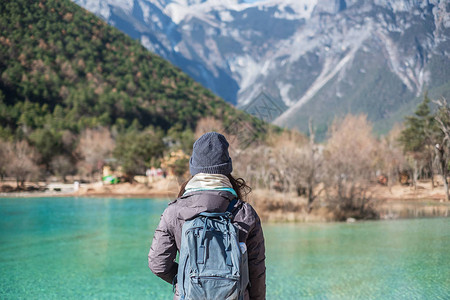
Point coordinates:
[[413, 209], [97, 248]]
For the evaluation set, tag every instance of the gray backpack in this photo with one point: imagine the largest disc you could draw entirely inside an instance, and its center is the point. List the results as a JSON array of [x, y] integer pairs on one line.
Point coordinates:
[[212, 263]]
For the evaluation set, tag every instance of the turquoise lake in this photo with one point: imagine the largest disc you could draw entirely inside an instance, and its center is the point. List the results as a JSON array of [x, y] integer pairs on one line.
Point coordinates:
[[78, 248]]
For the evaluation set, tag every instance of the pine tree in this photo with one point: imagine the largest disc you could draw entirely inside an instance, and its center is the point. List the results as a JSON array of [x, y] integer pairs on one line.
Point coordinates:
[[418, 139]]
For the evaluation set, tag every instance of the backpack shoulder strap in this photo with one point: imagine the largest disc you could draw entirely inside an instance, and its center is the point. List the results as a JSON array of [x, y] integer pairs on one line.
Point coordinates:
[[230, 207], [228, 212]]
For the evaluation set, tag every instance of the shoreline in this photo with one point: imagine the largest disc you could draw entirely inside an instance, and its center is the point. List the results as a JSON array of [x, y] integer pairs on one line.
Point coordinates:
[[167, 188], [92, 195], [395, 202]]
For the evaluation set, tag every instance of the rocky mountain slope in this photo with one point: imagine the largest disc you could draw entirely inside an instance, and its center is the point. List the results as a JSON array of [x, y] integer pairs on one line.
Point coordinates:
[[321, 58]]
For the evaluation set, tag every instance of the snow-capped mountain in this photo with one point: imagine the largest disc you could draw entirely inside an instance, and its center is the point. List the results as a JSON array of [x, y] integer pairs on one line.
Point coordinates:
[[322, 58]]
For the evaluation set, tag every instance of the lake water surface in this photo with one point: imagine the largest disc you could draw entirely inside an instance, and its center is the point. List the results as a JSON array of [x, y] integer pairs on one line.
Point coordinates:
[[52, 248]]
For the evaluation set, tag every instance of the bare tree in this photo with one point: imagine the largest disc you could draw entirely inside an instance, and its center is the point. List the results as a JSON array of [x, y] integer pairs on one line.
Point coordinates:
[[285, 151], [297, 164], [443, 148], [235, 139], [312, 167], [252, 164], [208, 124], [94, 147], [390, 159], [3, 157], [442, 155], [21, 161], [350, 164]]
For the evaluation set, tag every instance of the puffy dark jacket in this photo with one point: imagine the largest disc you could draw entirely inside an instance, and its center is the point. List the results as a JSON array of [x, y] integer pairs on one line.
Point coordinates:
[[167, 238]]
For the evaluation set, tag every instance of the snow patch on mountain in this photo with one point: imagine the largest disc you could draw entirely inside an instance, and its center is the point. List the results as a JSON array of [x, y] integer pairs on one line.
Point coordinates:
[[180, 10], [99, 7], [285, 88]]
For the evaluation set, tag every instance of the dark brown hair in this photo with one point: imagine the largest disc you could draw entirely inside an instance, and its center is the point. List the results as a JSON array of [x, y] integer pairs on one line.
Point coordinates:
[[239, 185]]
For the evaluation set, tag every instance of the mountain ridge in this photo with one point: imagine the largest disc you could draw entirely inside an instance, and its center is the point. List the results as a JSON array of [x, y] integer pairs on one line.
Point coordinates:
[[309, 54]]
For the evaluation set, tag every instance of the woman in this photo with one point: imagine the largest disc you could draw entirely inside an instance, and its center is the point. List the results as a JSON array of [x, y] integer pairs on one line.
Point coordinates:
[[211, 189]]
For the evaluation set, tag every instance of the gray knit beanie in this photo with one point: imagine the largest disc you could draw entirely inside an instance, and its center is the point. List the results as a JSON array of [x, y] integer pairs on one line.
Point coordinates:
[[210, 155]]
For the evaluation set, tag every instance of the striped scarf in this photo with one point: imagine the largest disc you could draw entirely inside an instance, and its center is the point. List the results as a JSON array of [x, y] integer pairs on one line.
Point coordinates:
[[205, 182]]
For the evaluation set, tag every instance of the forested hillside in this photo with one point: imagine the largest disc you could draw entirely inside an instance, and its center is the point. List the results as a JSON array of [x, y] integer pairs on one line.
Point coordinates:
[[63, 70]]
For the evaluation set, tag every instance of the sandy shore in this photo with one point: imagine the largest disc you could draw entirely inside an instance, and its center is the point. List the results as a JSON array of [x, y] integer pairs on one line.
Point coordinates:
[[400, 192], [163, 188]]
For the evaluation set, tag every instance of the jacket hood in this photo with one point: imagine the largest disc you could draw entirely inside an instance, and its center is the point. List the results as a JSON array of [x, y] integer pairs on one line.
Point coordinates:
[[193, 203]]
